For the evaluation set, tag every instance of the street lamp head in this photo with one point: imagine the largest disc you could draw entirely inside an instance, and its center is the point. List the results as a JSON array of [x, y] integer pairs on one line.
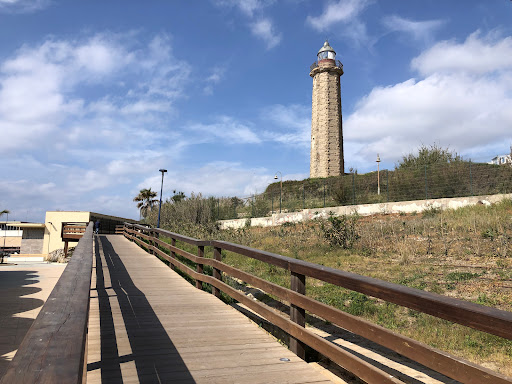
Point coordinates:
[[378, 158], [163, 170], [275, 177]]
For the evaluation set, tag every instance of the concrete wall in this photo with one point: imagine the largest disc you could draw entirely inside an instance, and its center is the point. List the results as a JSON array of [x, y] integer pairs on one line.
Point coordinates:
[[364, 209], [32, 241]]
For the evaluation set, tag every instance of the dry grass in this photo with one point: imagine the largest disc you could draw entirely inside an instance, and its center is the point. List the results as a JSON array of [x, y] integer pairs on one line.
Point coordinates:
[[464, 253]]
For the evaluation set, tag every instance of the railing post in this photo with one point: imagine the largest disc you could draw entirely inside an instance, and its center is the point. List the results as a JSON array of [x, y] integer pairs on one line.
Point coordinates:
[[297, 314], [173, 254], [216, 272], [199, 267], [151, 242]]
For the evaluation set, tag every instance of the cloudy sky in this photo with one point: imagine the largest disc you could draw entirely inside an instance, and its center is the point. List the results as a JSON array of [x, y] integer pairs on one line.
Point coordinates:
[[97, 96]]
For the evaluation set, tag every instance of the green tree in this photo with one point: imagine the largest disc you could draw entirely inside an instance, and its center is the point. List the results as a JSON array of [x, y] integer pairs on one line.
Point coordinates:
[[177, 197], [146, 201], [426, 156]]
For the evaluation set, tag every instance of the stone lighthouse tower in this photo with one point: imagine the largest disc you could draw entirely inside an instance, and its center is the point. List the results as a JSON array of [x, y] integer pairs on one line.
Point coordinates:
[[326, 127]]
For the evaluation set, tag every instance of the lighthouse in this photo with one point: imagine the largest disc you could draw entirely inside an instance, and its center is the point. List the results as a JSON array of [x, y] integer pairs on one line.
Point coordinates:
[[326, 125]]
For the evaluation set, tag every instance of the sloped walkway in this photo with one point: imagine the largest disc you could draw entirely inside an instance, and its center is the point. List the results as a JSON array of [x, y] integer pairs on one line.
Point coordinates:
[[148, 325]]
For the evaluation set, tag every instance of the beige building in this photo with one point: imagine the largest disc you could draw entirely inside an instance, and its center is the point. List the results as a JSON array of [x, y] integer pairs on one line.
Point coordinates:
[[326, 125], [54, 221]]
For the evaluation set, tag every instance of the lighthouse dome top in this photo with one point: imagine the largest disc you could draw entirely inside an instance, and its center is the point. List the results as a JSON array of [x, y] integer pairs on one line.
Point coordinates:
[[326, 52]]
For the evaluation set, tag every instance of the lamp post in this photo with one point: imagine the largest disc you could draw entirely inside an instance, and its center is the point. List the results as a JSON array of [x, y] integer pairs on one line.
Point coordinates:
[[161, 190], [378, 174], [281, 194]]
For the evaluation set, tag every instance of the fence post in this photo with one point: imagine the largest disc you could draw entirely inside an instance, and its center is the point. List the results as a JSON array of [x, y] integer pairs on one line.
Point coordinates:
[[199, 267], [297, 314], [470, 179], [303, 196], [426, 185], [387, 185], [353, 188], [173, 254], [324, 193], [216, 272], [151, 242]]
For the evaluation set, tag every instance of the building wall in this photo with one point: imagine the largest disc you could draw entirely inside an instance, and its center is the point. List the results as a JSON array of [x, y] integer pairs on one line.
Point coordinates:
[[53, 227], [10, 241], [326, 122], [32, 241]]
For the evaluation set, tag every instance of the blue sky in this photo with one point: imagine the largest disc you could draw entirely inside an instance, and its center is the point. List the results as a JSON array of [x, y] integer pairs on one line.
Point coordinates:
[[96, 96]]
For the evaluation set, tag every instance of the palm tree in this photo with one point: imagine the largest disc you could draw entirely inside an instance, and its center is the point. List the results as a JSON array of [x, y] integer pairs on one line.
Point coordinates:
[[146, 200]]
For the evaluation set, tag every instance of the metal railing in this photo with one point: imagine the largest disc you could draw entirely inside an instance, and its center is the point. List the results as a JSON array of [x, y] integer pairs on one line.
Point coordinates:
[[479, 317]]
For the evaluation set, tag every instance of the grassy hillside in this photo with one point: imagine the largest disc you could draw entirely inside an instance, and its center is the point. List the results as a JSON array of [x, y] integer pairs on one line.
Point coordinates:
[[464, 253]]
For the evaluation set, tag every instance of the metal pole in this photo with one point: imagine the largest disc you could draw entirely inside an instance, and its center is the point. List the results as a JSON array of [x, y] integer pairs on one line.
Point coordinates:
[[303, 196], [281, 195], [161, 191], [470, 179], [324, 193], [353, 188], [387, 185], [426, 186], [378, 179], [272, 194]]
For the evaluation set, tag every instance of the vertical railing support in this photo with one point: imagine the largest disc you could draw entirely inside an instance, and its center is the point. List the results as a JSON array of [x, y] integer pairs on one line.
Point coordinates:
[[217, 255], [173, 254], [151, 242], [297, 314], [199, 267]]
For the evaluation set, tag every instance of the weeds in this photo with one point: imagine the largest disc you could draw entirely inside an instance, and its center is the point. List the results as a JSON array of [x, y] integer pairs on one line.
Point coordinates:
[[341, 231]]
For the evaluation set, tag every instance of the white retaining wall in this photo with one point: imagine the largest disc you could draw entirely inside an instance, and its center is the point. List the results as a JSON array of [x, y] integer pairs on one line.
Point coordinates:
[[364, 209]]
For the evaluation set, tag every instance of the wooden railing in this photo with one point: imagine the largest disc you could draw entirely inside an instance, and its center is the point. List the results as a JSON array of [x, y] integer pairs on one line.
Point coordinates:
[[73, 231], [54, 348], [482, 318]]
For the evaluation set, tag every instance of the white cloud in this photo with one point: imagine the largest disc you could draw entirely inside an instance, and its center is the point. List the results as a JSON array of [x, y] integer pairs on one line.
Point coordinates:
[[226, 129], [344, 11], [453, 106], [218, 178], [86, 145], [265, 30], [260, 26], [247, 7], [21, 6], [291, 123], [419, 30], [477, 55], [217, 74]]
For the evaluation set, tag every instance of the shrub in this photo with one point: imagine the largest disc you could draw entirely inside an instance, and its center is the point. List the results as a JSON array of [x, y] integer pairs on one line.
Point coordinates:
[[341, 231]]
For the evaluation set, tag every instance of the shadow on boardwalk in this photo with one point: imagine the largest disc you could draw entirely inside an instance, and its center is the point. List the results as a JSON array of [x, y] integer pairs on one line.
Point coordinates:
[[13, 327], [154, 355]]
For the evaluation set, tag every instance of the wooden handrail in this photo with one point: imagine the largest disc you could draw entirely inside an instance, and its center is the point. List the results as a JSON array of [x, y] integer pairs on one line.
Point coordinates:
[[53, 350], [486, 319]]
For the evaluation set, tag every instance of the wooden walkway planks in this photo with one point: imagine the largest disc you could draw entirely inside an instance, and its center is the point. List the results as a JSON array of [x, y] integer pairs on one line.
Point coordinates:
[[147, 324]]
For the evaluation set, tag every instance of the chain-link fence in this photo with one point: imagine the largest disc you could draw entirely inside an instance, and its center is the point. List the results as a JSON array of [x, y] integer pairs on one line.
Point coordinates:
[[455, 179]]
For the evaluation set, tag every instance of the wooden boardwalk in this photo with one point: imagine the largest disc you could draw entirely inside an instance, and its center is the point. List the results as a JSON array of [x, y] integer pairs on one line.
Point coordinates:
[[148, 325]]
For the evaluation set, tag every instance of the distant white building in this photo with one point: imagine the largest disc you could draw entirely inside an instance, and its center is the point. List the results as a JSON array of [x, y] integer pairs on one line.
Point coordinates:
[[501, 159]]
